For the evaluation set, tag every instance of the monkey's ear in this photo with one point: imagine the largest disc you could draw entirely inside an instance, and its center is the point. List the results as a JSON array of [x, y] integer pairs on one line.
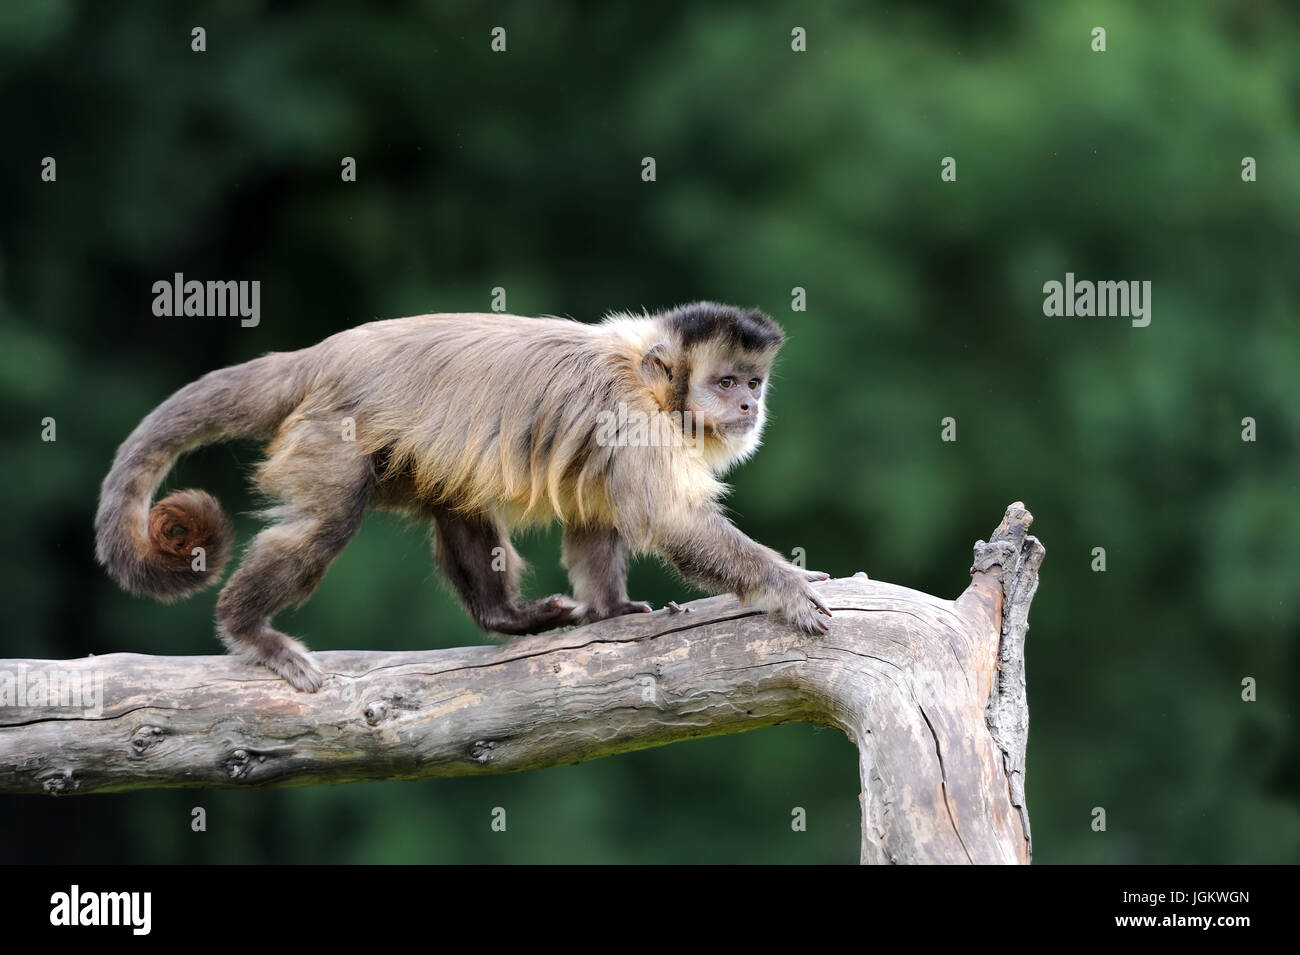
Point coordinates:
[[656, 364]]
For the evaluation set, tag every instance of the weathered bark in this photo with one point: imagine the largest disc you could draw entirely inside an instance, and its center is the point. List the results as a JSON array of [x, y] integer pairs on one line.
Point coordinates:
[[932, 692]]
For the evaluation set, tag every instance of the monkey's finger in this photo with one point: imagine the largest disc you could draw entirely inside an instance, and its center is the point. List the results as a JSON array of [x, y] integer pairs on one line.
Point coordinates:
[[810, 575], [819, 604], [820, 626]]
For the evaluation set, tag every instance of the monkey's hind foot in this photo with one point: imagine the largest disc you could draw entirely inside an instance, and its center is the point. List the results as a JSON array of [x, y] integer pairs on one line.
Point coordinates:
[[538, 616], [279, 653], [293, 665]]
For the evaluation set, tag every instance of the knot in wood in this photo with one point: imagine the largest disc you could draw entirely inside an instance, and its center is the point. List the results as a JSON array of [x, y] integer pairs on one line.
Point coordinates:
[[60, 783], [146, 738], [237, 764]]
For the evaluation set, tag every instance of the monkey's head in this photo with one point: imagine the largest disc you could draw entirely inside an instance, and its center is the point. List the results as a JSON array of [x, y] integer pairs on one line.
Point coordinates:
[[712, 364]]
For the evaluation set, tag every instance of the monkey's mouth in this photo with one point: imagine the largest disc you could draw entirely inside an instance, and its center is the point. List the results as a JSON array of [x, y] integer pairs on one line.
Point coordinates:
[[743, 426]]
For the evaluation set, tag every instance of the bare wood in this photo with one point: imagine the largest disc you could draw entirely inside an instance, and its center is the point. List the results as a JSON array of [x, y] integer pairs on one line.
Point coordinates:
[[931, 691]]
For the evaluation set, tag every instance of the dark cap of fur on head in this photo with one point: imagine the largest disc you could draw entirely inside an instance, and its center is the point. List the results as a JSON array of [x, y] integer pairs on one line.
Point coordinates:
[[743, 328]]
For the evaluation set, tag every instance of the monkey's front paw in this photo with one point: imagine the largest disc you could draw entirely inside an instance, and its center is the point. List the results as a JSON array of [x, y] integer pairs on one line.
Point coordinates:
[[806, 610]]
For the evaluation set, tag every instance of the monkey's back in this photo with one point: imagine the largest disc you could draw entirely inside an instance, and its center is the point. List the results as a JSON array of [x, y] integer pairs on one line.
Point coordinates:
[[487, 411]]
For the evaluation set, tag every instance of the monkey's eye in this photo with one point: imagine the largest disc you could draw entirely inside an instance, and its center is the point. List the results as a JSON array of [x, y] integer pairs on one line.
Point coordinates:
[[754, 383], [727, 382]]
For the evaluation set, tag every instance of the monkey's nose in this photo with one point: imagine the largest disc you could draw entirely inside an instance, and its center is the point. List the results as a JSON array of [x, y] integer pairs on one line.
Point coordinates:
[[745, 408]]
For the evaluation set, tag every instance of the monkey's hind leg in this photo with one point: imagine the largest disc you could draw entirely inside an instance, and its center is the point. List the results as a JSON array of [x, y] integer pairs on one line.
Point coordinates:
[[475, 553], [323, 510]]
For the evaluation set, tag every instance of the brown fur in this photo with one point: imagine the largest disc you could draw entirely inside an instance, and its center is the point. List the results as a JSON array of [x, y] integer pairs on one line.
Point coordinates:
[[476, 422]]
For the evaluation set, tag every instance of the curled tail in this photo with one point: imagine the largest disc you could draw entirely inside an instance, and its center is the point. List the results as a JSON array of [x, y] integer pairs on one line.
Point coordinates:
[[150, 550]]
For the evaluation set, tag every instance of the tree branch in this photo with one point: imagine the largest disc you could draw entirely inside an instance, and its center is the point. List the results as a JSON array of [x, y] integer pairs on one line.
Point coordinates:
[[931, 691]]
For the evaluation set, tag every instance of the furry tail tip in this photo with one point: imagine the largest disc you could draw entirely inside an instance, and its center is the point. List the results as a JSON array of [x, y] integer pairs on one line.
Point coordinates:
[[184, 549]]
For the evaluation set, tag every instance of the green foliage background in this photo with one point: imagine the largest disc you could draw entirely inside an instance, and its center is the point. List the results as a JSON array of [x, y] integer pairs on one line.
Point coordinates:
[[775, 170]]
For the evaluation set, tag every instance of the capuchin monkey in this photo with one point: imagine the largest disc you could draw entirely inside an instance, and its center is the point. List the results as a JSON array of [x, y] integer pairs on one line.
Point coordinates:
[[478, 423]]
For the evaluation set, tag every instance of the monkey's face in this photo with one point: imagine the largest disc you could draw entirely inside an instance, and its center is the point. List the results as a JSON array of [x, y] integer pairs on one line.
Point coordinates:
[[710, 365], [726, 400]]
